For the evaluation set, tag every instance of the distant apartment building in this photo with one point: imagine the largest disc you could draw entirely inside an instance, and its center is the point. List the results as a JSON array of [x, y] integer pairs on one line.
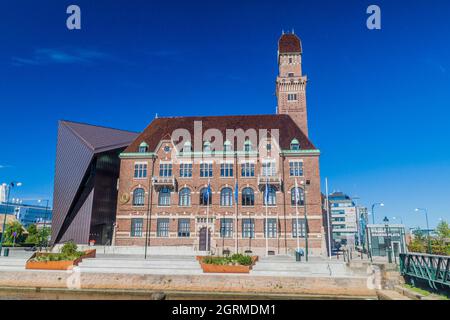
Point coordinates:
[[27, 214], [343, 213]]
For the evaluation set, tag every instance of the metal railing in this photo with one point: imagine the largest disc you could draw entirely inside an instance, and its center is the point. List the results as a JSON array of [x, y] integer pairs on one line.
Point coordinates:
[[427, 267]]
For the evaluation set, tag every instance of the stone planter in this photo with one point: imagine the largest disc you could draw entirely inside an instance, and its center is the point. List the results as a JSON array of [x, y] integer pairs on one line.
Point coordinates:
[[216, 268], [56, 265]]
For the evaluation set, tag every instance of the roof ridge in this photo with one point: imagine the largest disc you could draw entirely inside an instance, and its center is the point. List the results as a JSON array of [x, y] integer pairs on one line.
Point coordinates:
[[98, 126]]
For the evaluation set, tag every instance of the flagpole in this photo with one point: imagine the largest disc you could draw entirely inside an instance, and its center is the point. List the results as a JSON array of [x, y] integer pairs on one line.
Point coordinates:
[[328, 218], [267, 233], [236, 214], [296, 212]]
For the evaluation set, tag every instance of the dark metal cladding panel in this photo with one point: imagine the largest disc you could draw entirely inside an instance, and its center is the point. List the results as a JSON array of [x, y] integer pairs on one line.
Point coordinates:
[[102, 138], [72, 160], [78, 230]]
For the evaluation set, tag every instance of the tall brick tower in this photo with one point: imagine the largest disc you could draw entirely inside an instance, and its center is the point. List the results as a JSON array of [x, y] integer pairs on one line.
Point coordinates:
[[291, 84]]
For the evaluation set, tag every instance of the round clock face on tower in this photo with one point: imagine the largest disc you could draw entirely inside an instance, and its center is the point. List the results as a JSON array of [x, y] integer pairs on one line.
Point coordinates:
[[166, 149]]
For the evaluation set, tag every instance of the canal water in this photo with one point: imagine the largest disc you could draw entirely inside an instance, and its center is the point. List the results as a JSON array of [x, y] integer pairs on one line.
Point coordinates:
[[57, 294]]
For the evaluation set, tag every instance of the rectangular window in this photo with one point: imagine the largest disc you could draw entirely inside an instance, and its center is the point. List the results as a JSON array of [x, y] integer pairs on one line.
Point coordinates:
[[162, 227], [184, 228], [226, 227], [140, 170], [296, 168], [268, 169], [186, 170], [290, 74], [206, 170], [301, 227], [136, 227], [292, 97], [272, 226], [165, 170], [248, 228], [226, 169], [247, 169]]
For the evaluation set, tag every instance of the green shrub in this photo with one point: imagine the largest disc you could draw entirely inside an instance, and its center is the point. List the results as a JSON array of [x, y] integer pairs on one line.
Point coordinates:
[[237, 258], [69, 248]]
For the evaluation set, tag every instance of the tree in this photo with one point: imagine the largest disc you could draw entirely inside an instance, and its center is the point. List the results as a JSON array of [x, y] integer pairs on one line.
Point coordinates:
[[32, 234], [13, 232], [443, 230]]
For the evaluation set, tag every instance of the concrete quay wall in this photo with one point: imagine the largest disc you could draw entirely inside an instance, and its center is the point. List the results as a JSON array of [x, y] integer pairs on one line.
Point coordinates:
[[339, 286]]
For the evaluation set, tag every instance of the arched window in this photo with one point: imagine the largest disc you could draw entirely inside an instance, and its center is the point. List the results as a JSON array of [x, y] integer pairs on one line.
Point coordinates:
[[295, 145], [247, 145], [300, 196], [164, 197], [185, 197], [138, 197], [271, 196], [226, 197], [143, 147], [248, 197], [204, 197]]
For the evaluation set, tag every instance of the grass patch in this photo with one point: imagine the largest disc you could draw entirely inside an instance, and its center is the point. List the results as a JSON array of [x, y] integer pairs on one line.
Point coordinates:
[[425, 292]]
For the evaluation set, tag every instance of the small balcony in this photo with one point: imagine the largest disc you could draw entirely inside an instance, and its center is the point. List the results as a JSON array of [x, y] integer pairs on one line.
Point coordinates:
[[161, 182], [274, 180]]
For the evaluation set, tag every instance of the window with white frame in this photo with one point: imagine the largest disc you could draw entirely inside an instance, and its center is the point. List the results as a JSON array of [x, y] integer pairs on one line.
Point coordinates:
[[164, 197], [296, 168], [247, 169], [165, 169], [185, 197], [297, 195], [162, 227], [206, 169], [301, 227], [271, 225], [184, 228], [268, 168], [226, 197], [226, 227], [271, 199], [186, 170], [226, 169], [292, 97], [140, 170], [138, 197], [137, 225], [248, 228], [248, 197]]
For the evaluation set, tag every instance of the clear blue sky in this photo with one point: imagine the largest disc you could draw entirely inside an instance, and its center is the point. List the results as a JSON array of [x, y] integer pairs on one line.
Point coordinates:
[[378, 101]]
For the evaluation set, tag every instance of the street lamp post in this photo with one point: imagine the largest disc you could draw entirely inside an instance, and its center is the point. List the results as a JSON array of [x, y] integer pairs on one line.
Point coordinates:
[[10, 187], [381, 204], [428, 227], [386, 224]]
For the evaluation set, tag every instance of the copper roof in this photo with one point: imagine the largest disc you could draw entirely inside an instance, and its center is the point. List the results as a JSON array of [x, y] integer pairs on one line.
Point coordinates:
[[289, 43], [162, 128]]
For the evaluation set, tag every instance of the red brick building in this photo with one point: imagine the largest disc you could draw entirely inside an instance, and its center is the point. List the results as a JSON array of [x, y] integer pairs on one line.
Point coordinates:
[[234, 176]]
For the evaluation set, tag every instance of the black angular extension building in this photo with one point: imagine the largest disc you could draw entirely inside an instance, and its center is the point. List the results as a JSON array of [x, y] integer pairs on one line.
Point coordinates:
[[85, 186]]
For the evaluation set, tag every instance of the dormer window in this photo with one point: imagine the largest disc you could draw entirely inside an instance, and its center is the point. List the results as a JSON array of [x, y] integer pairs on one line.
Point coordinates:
[[143, 147], [295, 144], [247, 145], [227, 146], [206, 146]]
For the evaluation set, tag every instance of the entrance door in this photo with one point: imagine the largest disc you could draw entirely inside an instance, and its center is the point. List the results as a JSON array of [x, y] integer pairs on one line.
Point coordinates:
[[202, 240]]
